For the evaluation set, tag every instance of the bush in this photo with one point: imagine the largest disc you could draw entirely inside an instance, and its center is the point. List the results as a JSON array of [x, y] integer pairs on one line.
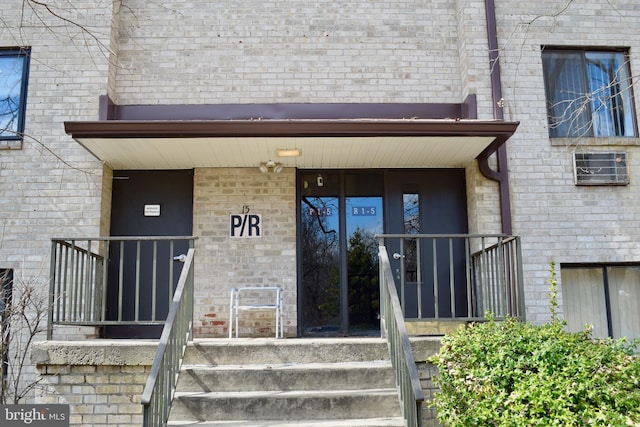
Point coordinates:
[[512, 373]]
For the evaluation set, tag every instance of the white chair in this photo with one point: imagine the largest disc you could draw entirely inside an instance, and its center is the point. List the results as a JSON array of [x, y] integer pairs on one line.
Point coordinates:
[[256, 298]]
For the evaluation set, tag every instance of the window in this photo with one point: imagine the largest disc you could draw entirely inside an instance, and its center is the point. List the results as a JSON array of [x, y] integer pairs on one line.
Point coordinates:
[[605, 296], [588, 93], [14, 69]]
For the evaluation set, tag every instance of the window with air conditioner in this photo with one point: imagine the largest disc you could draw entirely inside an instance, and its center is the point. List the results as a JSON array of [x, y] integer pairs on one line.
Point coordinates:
[[588, 93], [600, 168]]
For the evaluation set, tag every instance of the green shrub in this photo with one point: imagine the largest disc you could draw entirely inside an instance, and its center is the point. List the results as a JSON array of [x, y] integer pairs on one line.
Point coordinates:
[[512, 373]]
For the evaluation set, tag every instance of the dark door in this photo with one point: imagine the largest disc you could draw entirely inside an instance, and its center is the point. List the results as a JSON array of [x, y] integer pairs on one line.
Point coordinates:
[[146, 203], [429, 201]]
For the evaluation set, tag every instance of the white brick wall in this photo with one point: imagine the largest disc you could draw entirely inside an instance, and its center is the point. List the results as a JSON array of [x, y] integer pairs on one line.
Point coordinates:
[[223, 262], [245, 51], [557, 220], [52, 186], [242, 51]]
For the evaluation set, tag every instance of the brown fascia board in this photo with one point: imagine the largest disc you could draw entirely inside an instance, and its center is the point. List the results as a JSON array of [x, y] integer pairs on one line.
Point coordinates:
[[288, 128], [289, 111]]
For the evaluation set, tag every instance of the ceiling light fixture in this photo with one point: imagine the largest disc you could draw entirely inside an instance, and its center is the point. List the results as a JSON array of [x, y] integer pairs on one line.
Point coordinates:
[[288, 152], [270, 166]]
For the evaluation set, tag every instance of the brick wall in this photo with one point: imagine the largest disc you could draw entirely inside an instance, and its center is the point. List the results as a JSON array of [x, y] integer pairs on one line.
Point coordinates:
[[242, 51], [557, 220], [52, 186], [102, 381], [223, 262]]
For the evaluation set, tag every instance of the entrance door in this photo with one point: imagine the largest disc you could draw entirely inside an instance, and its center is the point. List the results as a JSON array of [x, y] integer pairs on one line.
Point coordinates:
[[168, 198], [429, 201], [340, 213]]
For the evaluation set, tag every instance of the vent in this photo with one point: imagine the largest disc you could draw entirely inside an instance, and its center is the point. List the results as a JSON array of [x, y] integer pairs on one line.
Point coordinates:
[[601, 168]]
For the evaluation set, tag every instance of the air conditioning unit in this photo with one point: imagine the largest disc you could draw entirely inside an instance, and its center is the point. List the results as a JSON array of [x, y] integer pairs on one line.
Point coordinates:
[[601, 168]]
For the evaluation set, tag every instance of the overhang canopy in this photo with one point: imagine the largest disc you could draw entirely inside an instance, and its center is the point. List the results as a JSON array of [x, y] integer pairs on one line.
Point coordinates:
[[324, 143]]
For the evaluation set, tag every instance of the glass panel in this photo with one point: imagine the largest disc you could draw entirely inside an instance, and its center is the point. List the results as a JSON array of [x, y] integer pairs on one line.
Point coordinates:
[[411, 213], [567, 103], [320, 264], [624, 293], [11, 74], [610, 94], [584, 300], [364, 221], [588, 94], [411, 223]]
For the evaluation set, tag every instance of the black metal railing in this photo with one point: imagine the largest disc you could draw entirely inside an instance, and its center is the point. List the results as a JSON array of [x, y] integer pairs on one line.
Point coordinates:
[[393, 328], [106, 281], [161, 384], [457, 276]]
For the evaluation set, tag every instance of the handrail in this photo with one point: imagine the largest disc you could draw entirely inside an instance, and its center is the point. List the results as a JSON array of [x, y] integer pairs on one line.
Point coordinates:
[[125, 238], [392, 327], [161, 384]]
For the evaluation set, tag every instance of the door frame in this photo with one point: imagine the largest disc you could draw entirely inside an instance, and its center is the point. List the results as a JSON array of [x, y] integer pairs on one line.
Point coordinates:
[[342, 242], [390, 188]]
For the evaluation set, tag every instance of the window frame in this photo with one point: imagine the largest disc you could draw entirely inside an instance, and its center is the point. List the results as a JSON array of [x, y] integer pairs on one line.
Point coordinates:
[[587, 116], [23, 53], [606, 269]]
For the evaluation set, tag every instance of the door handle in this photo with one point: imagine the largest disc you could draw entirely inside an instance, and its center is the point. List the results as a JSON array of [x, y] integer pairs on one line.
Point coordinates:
[[396, 255], [181, 258]]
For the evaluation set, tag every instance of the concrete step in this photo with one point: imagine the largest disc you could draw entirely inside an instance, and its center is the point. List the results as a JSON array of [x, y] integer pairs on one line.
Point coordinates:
[[362, 422], [297, 350], [286, 405], [323, 382], [286, 377]]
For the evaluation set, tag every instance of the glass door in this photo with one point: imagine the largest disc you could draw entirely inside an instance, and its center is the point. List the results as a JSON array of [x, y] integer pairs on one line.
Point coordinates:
[[320, 289], [340, 214], [364, 221]]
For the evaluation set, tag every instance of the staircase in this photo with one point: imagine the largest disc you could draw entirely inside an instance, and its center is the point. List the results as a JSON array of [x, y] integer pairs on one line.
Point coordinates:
[[324, 382]]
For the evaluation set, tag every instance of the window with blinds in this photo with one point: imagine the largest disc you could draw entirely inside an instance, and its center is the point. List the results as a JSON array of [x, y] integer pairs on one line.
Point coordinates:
[[588, 93], [605, 297]]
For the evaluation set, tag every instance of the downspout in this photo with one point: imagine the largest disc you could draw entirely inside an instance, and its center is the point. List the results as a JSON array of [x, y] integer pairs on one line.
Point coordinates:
[[501, 174]]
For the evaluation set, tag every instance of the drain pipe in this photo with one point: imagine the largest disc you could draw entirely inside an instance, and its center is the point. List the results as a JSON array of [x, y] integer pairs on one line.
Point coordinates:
[[501, 174]]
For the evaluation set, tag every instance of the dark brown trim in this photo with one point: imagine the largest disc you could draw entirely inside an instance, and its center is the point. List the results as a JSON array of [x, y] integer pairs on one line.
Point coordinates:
[[470, 107], [106, 108], [291, 128], [287, 111]]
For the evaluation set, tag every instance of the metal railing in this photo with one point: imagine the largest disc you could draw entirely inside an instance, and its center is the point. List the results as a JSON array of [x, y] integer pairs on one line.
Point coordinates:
[[161, 384], [393, 328], [497, 281], [105, 281], [457, 276]]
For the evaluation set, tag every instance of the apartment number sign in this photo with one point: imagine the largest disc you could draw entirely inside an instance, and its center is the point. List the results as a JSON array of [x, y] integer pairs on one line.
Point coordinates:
[[245, 226]]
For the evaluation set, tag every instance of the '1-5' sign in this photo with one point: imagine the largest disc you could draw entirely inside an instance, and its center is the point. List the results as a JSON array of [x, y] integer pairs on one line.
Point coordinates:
[[245, 225]]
